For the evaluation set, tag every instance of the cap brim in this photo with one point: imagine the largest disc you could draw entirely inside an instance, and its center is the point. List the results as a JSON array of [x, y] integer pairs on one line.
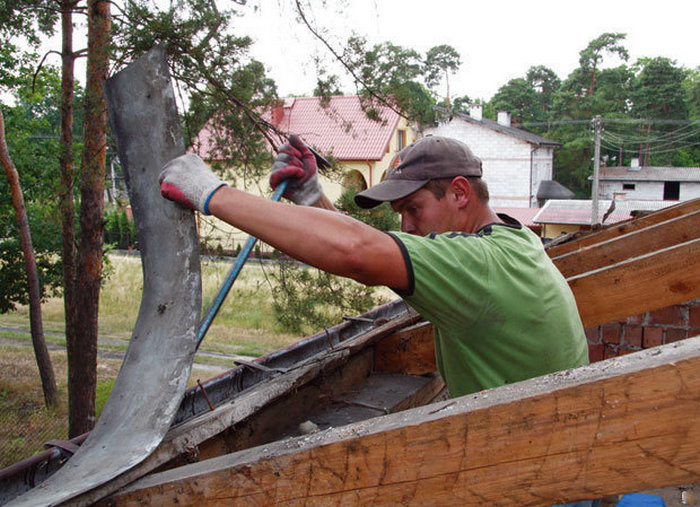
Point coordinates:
[[387, 190]]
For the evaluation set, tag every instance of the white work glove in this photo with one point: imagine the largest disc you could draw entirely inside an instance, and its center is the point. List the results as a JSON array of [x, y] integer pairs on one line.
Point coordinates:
[[297, 164], [188, 181]]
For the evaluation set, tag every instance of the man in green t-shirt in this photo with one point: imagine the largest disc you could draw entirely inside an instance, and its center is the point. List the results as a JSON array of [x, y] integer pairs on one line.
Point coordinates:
[[501, 310]]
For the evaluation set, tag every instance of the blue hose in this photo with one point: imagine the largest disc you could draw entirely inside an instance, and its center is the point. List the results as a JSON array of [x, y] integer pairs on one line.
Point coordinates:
[[232, 275]]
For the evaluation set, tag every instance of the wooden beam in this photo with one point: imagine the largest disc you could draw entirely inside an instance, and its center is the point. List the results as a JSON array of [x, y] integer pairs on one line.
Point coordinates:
[[185, 438], [410, 350], [635, 243], [626, 227], [648, 282], [622, 425]]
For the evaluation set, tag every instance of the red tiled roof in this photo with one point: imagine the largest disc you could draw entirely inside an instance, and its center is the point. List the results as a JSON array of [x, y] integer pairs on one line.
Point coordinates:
[[340, 129]]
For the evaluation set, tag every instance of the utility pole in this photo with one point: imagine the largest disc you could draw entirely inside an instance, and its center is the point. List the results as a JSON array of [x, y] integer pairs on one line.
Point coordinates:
[[598, 127]]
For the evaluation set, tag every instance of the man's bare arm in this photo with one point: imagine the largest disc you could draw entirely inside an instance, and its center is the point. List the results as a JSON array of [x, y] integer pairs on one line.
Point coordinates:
[[321, 238]]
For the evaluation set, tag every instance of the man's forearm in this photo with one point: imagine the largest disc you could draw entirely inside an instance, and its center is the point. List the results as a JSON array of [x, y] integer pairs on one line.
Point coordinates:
[[324, 203], [319, 237]]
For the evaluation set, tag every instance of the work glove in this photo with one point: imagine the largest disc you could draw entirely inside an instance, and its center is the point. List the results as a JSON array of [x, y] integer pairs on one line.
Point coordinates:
[[188, 181], [297, 164]]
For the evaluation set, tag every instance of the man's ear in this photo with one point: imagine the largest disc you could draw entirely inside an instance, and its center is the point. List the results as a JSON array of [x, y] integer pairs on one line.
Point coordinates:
[[460, 191]]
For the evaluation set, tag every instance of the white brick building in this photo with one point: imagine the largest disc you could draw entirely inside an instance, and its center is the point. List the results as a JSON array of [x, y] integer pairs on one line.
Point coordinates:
[[515, 162], [649, 183]]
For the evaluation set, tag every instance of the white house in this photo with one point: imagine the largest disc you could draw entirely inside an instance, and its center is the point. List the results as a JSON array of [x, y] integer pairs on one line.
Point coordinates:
[[649, 183], [515, 162]]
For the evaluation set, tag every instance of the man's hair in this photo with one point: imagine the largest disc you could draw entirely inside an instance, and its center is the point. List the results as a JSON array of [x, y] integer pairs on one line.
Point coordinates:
[[438, 187]]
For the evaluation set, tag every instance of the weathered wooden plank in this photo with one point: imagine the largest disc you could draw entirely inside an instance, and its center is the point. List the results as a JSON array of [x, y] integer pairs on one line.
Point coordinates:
[[635, 243], [281, 417], [648, 282], [410, 350], [626, 424], [626, 227], [183, 440]]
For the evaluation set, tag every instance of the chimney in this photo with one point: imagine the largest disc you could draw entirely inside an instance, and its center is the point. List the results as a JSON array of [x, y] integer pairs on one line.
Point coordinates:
[[504, 118], [634, 164], [277, 113], [476, 111]]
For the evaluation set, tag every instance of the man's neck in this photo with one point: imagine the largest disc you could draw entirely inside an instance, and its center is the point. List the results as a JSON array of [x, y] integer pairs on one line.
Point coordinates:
[[479, 216]]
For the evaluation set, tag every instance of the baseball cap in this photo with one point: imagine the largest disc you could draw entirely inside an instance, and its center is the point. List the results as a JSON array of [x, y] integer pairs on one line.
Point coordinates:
[[413, 167]]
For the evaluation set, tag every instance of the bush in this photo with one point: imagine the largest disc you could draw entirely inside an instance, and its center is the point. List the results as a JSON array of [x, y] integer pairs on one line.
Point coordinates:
[[306, 300], [120, 232]]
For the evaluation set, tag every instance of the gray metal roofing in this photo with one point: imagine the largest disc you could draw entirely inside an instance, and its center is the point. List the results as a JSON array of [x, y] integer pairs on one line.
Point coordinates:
[[618, 173], [523, 135], [579, 211], [550, 189]]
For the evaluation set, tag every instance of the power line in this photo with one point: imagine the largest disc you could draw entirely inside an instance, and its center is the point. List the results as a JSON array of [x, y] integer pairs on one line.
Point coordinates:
[[608, 120]]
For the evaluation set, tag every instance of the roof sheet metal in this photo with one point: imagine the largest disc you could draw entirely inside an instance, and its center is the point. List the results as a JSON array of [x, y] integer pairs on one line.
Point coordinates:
[[523, 135], [618, 173], [523, 215], [550, 189], [341, 127], [578, 212]]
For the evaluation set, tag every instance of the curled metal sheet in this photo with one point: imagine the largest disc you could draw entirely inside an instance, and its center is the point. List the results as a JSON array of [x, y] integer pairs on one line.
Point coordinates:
[[153, 377]]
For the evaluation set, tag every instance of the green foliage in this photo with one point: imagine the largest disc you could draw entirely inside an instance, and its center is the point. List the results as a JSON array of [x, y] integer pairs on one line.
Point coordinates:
[[31, 129], [657, 90], [691, 85], [387, 73], [327, 87], [119, 231], [520, 98], [653, 89], [103, 389], [592, 56], [460, 104], [307, 299], [381, 217], [440, 61], [213, 68]]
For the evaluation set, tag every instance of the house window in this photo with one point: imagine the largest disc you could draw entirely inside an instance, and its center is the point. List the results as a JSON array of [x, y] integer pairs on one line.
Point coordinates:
[[672, 190], [400, 140], [628, 186]]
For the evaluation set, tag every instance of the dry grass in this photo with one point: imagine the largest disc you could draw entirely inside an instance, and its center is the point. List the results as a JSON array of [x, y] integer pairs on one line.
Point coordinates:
[[25, 422], [246, 325]]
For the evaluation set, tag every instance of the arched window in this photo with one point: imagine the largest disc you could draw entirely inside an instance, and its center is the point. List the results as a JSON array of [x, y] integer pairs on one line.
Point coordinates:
[[354, 180]]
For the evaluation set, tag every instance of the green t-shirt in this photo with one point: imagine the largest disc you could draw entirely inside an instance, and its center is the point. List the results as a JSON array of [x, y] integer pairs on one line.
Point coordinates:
[[501, 310]]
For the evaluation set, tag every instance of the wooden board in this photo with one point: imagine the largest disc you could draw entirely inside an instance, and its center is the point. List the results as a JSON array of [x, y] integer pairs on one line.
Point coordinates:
[[622, 425], [648, 282], [209, 430], [626, 227], [410, 350], [633, 244]]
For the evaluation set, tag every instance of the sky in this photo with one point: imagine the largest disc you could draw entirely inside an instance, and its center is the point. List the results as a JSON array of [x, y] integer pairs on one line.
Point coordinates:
[[498, 40]]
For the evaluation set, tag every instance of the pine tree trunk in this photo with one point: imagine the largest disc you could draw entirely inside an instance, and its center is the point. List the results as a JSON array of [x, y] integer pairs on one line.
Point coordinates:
[[65, 196], [43, 360], [83, 363]]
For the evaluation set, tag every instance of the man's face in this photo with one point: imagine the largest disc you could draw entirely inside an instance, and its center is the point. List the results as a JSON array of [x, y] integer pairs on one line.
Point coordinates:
[[423, 213]]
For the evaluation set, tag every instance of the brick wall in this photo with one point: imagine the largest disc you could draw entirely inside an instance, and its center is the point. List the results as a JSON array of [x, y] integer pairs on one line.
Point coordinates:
[[650, 329]]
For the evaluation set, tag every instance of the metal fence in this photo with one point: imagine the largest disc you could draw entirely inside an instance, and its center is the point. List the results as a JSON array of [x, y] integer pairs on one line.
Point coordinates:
[[25, 428]]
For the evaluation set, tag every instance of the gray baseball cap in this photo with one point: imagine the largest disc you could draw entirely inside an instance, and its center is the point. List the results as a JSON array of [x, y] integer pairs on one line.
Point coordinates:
[[413, 167]]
